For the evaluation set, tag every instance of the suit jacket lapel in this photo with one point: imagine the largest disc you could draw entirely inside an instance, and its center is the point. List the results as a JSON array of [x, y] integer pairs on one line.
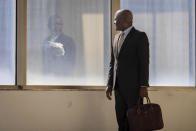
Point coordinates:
[[130, 34]]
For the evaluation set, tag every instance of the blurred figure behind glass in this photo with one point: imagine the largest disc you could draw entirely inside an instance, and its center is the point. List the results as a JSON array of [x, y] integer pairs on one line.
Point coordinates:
[[58, 50]]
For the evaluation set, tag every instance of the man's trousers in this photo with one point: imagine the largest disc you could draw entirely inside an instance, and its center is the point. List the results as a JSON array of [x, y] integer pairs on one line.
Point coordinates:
[[124, 100]]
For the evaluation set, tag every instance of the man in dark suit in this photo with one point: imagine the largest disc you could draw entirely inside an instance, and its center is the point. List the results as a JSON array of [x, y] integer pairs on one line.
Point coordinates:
[[58, 50], [129, 67]]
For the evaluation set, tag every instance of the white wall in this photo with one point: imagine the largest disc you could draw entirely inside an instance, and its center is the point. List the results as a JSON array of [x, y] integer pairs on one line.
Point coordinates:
[[87, 110]]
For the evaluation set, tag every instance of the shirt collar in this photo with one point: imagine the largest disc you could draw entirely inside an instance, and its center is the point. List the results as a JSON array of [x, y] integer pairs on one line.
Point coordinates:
[[127, 31]]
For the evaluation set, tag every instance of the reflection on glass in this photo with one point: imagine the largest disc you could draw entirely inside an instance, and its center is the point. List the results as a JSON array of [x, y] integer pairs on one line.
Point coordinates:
[[7, 42], [58, 50], [68, 42]]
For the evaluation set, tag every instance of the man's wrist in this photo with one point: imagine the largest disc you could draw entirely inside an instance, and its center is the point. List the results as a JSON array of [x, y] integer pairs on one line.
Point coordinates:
[[110, 87]]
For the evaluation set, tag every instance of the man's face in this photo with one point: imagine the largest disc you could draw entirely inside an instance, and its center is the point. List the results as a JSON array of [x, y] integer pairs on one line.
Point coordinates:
[[118, 21], [57, 26]]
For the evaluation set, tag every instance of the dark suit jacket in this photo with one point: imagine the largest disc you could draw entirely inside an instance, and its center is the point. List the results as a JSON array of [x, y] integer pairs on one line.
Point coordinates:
[[55, 64], [131, 66]]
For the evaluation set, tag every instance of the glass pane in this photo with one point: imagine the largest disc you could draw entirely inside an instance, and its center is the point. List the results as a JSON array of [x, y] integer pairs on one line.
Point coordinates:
[[7, 44], [170, 26], [68, 42]]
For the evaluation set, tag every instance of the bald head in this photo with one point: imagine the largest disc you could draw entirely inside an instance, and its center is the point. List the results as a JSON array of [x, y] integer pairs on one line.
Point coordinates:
[[123, 19], [55, 24]]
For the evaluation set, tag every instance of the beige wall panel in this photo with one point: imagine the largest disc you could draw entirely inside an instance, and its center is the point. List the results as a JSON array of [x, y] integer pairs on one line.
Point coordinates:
[[87, 110]]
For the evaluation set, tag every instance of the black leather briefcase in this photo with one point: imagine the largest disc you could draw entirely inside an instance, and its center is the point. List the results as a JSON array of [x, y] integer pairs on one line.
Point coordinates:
[[145, 117]]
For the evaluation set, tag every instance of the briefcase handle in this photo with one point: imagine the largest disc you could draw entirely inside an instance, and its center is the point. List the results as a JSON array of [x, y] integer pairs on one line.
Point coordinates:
[[139, 105]]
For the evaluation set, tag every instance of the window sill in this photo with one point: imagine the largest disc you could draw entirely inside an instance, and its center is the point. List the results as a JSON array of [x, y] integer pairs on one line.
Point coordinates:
[[87, 88]]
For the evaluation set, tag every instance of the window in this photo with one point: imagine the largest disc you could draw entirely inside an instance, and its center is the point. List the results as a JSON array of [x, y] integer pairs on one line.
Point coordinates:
[[170, 26], [68, 42], [7, 42]]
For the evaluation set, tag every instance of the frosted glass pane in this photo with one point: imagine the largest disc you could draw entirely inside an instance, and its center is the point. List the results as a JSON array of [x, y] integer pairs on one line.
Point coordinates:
[[7, 42], [170, 26], [68, 42]]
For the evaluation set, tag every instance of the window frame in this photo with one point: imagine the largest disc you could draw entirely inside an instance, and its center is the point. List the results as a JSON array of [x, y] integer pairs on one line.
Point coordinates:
[[21, 54]]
